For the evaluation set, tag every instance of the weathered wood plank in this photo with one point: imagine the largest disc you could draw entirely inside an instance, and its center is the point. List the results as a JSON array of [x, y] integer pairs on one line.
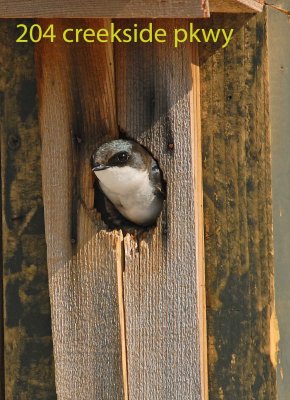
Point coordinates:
[[27, 329], [236, 6], [124, 9], [157, 105], [77, 113], [279, 73], [103, 9], [237, 207]]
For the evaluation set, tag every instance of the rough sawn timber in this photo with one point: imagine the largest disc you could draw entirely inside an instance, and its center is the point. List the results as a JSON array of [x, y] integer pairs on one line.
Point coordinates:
[[124, 8], [236, 6], [163, 277], [279, 77], [77, 113], [103, 9], [237, 210], [28, 362]]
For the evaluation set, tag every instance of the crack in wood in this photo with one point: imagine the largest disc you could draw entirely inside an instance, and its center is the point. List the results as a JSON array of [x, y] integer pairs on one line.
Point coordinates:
[[120, 284]]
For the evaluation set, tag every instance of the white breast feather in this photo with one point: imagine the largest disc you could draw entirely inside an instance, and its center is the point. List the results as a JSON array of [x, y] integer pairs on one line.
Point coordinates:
[[131, 192]]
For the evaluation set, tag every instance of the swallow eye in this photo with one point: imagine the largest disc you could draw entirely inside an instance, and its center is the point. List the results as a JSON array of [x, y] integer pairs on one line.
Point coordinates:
[[123, 156]]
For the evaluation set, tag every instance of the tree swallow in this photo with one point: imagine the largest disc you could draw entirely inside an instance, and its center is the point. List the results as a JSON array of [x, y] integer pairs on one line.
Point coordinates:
[[130, 178]]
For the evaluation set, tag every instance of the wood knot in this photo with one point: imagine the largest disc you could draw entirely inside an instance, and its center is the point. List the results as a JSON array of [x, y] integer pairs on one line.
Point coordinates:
[[14, 141]]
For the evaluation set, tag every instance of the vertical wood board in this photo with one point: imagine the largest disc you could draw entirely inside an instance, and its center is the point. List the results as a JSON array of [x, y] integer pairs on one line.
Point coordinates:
[[77, 113], [279, 68], [27, 349], [162, 286], [237, 209]]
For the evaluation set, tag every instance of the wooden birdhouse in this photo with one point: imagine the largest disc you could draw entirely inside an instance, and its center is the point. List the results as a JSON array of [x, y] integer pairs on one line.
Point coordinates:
[[184, 310]]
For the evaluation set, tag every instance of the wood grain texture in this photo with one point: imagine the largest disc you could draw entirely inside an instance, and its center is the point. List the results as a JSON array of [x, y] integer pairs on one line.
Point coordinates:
[[103, 9], [236, 6], [29, 370], [162, 286], [124, 8], [77, 113], [237, 208], [279, 73]]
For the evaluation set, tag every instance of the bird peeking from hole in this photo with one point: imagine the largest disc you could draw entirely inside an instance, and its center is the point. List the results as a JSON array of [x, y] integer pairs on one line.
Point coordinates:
[[131, 182]]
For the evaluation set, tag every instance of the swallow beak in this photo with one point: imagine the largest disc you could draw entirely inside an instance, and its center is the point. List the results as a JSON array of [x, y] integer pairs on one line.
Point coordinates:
[[99, 167]]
